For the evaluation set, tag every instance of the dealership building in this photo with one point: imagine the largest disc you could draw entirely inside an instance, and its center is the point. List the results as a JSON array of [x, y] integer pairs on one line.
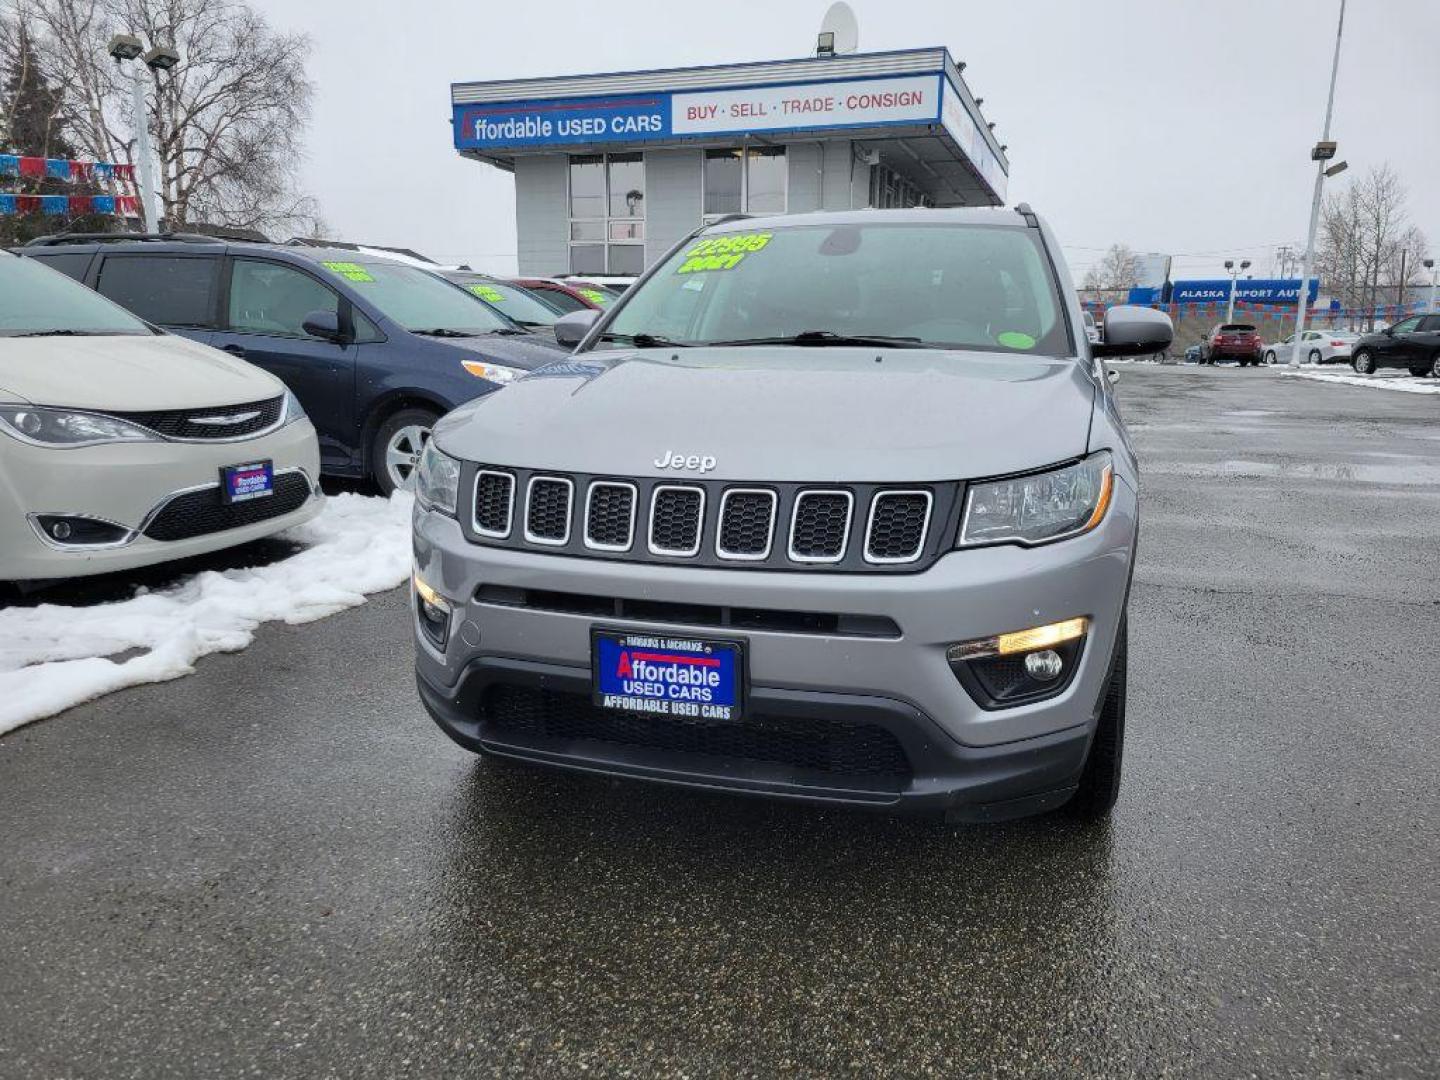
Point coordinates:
[[611, 170]]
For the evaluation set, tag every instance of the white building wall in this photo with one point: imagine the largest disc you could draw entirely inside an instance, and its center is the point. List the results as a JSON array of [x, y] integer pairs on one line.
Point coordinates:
[[542, 214]]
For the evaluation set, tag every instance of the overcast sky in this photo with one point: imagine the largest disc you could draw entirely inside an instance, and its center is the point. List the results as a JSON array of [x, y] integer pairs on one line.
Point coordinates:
[[1170, 125]]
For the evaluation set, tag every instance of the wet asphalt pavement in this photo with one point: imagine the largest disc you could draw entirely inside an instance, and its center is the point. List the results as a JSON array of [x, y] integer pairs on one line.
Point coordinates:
[[279, 867]]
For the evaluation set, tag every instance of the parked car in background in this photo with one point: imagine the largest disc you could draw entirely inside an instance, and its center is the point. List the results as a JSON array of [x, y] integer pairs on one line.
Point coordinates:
[[375, 350], [1233, 341], [1316, 347], [1413, 344], [611, 283], [526, 309], [1193, 354], [123, 446], [568, 296]]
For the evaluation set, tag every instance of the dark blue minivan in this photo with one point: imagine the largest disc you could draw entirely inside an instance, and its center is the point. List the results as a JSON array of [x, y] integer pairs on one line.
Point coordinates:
[[376, 350]]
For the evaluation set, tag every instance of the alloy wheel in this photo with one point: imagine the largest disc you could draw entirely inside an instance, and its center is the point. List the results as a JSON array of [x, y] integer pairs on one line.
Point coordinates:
[[402, 454]]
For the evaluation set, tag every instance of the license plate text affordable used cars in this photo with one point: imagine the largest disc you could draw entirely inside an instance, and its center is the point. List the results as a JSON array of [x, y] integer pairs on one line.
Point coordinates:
[[667, 676]]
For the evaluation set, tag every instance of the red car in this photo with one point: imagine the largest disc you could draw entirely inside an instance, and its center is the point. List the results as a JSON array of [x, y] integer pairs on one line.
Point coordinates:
[[1233, 341], [568, 296]]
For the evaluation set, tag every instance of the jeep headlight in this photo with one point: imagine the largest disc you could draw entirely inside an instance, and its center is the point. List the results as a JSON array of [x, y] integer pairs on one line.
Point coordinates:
[[1040, 507], [68, 428], [437, 480]]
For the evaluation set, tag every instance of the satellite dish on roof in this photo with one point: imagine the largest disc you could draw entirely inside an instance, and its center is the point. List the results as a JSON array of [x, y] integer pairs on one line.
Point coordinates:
[[839, 32]]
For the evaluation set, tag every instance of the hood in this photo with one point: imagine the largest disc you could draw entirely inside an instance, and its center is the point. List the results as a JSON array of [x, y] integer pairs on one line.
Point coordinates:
[[784, 414], [129, 374], [524, 351]]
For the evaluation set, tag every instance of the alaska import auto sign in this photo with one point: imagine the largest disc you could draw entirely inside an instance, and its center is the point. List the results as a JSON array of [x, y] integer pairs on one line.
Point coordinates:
[[630, 118]]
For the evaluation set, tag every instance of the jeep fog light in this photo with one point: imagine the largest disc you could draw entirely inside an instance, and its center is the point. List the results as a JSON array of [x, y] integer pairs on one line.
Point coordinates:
[[1019, 667], [434, 612]]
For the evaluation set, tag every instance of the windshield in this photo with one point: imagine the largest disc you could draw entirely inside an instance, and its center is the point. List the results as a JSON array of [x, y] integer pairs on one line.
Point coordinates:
[[417, 299], [36, 300], [524, 307], [983, 287]]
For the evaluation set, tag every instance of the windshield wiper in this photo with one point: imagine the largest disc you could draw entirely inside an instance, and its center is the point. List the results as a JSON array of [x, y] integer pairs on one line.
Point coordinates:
[[505, 331], [444, 331], [63, 333], [826, 337], [644, 341]]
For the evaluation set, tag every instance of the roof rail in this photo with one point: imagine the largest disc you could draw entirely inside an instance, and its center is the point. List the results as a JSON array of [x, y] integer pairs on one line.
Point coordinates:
[[1023, 209], [727, 218], [55, 239]]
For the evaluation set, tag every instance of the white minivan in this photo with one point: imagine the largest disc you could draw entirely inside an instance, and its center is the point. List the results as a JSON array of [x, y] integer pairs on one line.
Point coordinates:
[[122, 446]]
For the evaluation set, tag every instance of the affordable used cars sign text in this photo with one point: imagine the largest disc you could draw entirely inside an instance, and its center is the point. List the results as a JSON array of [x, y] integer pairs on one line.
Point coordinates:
[[647, 117]]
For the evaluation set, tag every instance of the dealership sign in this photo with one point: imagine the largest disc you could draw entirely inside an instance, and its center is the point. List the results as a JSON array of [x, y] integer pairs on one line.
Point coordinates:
[[1249, 290], [647, 117]]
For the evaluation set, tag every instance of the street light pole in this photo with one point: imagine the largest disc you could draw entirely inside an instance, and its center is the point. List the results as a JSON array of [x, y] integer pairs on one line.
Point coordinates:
[[142, 148], [1234, 273], [1304, 300], [1429, 264]]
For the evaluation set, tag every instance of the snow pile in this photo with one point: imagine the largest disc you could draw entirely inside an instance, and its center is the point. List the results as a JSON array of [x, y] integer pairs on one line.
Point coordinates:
[[53, 657], [1405, 384]]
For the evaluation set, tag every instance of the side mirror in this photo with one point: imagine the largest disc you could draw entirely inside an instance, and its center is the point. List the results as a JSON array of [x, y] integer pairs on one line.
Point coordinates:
[[570, 329], [322, 324], [1131, 330]]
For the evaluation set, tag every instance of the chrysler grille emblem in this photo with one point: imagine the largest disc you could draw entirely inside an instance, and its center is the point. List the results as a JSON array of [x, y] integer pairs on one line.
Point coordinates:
[[225, 421]]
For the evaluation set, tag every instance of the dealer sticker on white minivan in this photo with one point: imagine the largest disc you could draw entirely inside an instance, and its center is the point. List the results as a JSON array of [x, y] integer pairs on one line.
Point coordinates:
[[668, 676]]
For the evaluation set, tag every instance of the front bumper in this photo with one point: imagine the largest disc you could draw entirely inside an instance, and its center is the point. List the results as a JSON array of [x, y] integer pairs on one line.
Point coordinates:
[[958, 754], [126, 484]]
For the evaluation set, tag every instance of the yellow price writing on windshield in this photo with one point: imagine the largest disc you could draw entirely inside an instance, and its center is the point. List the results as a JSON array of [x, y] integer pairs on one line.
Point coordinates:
[[349, 271], [488, 292], [722, 252]]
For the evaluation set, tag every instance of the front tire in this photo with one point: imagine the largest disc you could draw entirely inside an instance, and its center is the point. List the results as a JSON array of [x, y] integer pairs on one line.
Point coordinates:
[[1100, 779], [1364, 362], [1315, 357], [1435, 366], [395, 450]]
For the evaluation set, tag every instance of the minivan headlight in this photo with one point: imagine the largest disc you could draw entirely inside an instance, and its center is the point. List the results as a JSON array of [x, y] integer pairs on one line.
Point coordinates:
[[1041, 507], [68, 428], [437, 480], [292, 410]]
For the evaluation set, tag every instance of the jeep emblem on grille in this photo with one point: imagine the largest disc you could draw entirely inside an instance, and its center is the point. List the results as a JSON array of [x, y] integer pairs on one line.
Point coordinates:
[[692, 463]]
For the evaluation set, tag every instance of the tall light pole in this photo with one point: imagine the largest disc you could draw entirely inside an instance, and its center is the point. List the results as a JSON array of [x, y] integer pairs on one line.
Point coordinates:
[[1324, 150], [126, 48], [1429, 264], [1234, 273]]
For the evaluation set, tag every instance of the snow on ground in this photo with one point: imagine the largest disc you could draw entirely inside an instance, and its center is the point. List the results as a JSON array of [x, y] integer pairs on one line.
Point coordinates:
[[53, 656], [1404, 383]]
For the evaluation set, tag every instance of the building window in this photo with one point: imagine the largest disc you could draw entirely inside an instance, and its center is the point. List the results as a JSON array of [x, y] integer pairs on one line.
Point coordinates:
[[753, 181], [891, 191], [607, 213]]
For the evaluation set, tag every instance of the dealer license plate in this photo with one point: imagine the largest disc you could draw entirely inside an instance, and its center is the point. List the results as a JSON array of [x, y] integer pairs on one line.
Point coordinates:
[[663, 675], [241, 483]]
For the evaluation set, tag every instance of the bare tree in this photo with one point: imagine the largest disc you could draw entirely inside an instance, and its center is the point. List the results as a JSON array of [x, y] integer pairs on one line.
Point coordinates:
[[1119, 268], [1365, 240], [227, 123]]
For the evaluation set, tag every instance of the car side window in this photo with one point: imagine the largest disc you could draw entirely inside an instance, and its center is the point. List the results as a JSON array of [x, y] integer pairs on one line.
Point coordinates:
[[1406, 326], [1430, 324], [562, 300], [70, 263], [170, 290], [271, 298], [365, 330]]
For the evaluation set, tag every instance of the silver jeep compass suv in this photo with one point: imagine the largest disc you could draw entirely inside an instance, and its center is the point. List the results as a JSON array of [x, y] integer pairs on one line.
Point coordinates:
[[834, 507]]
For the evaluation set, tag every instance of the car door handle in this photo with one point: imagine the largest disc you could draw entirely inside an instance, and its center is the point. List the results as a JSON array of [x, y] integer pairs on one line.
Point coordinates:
[[235, 350]]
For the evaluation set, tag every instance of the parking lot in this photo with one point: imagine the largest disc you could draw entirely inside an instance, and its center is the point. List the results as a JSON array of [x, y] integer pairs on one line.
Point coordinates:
[[279, 867]]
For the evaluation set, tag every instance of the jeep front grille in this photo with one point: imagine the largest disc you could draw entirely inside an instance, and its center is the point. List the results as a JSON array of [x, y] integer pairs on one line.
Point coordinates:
[[547, 510], [895, 528]]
